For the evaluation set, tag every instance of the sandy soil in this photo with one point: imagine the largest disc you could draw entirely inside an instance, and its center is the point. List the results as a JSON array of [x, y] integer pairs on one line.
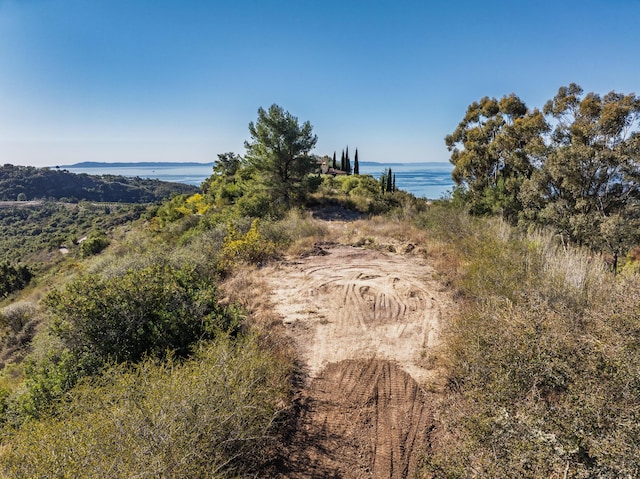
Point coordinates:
[[357, 303], [364, 323]]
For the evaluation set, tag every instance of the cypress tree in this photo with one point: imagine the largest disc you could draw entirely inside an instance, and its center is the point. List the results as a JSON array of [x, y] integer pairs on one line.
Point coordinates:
[[356, 165], [394, 182], [342, 162], [334, 160], [389, 181]]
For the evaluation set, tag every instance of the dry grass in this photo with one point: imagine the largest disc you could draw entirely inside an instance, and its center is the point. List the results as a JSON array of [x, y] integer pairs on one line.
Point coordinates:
[[247, 288], [541, 357]]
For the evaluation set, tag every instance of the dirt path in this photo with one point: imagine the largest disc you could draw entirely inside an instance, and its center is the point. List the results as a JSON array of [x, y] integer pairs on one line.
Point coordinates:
[[364, 323]]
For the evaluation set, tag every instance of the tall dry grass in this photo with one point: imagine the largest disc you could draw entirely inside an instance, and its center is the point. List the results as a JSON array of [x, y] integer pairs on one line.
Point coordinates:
[[541, 358]]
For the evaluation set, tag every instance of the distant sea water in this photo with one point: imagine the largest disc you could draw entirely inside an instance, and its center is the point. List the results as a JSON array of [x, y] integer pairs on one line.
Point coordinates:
[[424, 180]]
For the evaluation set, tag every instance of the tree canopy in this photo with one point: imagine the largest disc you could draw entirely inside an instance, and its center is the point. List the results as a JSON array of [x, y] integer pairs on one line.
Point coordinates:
[[574, 166], [279, 152], [493, 149]]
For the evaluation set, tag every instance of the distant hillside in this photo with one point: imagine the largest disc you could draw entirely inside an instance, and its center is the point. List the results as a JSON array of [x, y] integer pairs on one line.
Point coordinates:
[[30, 183], [146, 164]]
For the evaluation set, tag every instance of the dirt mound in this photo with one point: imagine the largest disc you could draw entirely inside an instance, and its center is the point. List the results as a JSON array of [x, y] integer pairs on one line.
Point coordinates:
[[359, 419]]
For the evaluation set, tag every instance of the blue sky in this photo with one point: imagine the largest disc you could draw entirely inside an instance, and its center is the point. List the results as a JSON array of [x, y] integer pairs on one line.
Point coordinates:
[[160, 80]]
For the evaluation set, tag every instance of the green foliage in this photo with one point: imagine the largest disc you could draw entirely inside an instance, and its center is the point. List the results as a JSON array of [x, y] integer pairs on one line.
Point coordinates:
[[13, 278], [250, 247], [388, 181], [93, 245], [496, 142], [279, 153], [101, 319], [212, 416], [225, 186], [356, 164], [170, 211], [587, 187], [37, 228], [349, 183], [573, 167], [30, 183], [143, 312], [47, 380]]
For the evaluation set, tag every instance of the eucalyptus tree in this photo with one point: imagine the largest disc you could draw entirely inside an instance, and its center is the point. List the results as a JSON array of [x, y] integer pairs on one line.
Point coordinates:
[[494, 148], [279, 153], [588, 186]]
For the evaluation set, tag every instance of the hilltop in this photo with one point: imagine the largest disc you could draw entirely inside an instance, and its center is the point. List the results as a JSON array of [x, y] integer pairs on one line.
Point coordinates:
[[286, 324]]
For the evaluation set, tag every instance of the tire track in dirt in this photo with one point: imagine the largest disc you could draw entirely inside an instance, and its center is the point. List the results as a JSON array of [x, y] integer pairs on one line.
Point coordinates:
[[363, 322], [354, 303], [360, 419]]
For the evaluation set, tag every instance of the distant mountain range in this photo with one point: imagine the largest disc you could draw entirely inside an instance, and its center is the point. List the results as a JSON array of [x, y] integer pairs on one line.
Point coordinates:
[[161, 164], [140, 164]]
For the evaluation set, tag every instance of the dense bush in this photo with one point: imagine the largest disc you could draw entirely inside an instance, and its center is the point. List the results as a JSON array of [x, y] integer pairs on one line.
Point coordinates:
[[212, 416], [13, 278], [250, 247], [102, 319], [93, 245], [542, 360], [143, 312]]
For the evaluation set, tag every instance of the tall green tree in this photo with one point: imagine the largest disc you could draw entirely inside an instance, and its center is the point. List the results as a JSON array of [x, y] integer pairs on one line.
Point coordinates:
[[356, 164], [493, 149], [588, 186], [343, 163], [279, 152], [333, 165]]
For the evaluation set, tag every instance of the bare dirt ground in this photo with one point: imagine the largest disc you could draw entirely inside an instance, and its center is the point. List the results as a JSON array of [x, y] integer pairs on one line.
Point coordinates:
[[365, 323]]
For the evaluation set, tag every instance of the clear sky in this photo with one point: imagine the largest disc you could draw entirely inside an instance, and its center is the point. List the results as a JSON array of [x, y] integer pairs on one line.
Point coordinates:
[[160, 80]]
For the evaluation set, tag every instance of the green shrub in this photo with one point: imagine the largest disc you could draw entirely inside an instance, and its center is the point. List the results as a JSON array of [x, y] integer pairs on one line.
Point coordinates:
[[93, 245], [102, 319], [142, 312], [349, 183], [212, 416], [250, 247], [13, 278]]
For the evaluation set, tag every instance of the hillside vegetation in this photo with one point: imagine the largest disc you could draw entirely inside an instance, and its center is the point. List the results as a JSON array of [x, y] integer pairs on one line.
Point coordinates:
[[155, 358], [26, 183]]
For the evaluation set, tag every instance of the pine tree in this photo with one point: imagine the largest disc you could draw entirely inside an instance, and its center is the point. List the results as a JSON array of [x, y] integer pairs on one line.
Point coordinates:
[[356, 165]]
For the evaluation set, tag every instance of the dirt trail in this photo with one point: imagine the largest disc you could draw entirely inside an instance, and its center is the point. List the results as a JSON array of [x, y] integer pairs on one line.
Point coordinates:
[[364, 322]]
